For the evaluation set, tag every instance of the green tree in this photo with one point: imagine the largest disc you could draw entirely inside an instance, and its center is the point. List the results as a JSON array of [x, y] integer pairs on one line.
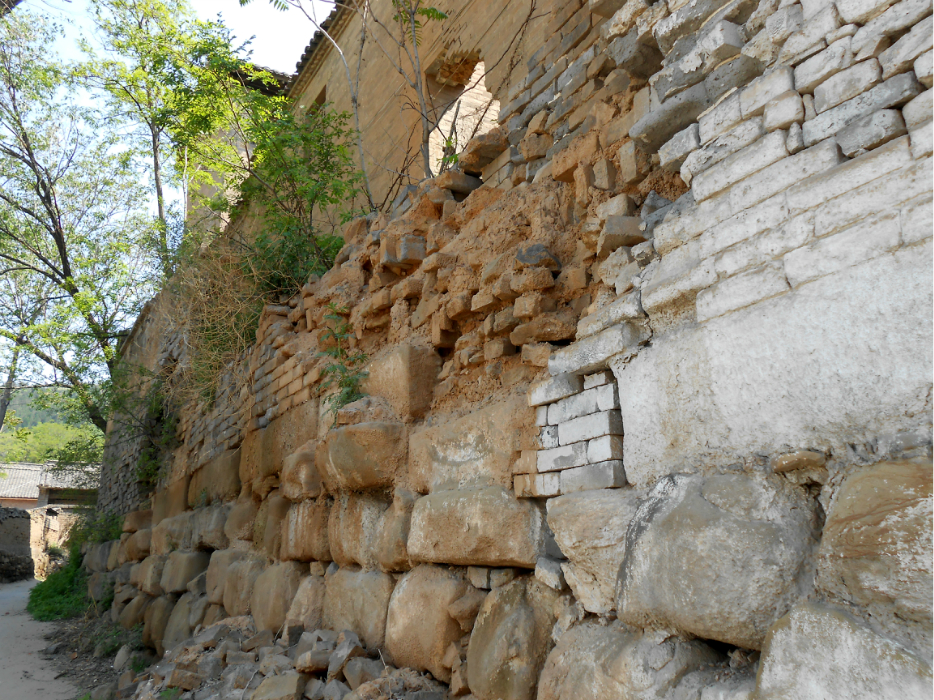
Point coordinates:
[[141, 43], [73, 225], [251, 146]]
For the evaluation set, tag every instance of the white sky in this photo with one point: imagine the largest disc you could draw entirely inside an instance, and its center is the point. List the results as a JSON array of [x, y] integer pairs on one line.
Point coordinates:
[[280, 37]]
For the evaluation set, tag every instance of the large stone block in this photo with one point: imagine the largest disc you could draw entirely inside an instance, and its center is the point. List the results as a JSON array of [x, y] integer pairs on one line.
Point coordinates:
[[467, 527], [300, 478], [720, 557], [207, 527], [510, 640], [150, 574], [171, 534], [476, 450], [405, 376], [240, 521], [273, 592], [353, 529], [170, 501], [155, 619], [365, 456], [594, 353], [593, 661], [307, 608], [264, 451], [137, 546], [177, 628], [238, 589], [267, 527], [182, 567], [358, 601], [137, 520], [590, 529], [217, 572], [819, 652], [821, 373], [218, 480], [305, 532], [133, 614], [419, 628], [876, 544], [392, 544]]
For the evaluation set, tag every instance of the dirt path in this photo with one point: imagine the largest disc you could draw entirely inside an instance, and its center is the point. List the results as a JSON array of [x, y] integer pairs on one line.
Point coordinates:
[[24, 673]]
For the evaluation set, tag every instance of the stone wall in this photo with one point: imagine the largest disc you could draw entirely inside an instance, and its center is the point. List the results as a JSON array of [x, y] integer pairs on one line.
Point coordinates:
[[15, 560], [648, 407]]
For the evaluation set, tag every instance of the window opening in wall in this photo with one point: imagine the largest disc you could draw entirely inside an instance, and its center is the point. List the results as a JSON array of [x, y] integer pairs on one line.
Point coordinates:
[[463, 106]]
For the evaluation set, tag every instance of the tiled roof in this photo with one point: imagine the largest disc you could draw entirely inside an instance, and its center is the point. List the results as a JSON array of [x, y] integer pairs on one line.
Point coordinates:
[[314, 43], [23, 480]]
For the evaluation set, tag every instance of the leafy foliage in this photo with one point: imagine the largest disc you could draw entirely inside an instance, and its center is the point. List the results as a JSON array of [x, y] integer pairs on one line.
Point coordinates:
[[63, 594], [345, 371], [73, 226], [43, 442]]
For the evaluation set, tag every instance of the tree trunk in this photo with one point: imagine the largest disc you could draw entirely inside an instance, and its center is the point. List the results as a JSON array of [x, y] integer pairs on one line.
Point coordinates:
[[160, 205], [7, 394]]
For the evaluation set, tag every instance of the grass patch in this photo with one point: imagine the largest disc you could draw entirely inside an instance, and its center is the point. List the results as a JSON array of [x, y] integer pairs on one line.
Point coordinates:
[[63, 594]]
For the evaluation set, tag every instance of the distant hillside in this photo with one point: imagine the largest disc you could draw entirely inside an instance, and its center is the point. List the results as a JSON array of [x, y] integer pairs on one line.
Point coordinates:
[[26, 412]]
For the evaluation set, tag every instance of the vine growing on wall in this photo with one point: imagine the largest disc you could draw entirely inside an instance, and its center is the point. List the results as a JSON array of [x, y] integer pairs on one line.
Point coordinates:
[[344, 372]]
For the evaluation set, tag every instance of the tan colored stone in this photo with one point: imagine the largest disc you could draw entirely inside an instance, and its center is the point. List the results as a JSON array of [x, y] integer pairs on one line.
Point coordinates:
[[305, 531], [137, 547], [307, 608], [590, 528], [273, 592], [182, 567], [354, 528], [581, 150], [594, 661], [419, 628], [876, 544], [467, 527], [170, 501], [207, 527], [216, 576], [238, 590], [476, 450], [300, 478], [218, 480], [137, 520], [358, 601], [510, 640], [178, 629], [150, 574], [802, 459], [239, 525], [391, 546], [171, 534], [264, 451], [405, 376], [267, 527], [155, 619], [133, 614], [365, 456], [288, 686]]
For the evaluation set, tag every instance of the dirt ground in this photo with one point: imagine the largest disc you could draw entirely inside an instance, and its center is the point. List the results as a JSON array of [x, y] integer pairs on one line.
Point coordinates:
[[25, 672]]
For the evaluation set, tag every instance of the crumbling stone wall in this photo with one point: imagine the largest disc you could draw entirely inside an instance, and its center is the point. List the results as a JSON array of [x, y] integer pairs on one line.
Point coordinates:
[[648, 407], [15, 560]]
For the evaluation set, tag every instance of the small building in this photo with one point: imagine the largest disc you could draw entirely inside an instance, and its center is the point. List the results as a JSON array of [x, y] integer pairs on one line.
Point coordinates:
[[29, 486]]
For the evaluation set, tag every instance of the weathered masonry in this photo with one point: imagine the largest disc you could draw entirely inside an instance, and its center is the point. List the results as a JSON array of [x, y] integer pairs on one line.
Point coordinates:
[[648, 412]]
